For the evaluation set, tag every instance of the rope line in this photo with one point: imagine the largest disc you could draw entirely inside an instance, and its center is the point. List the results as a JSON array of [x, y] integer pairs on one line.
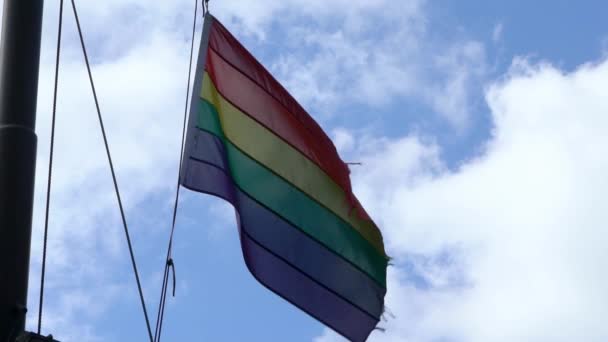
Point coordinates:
[[205, 4], [169, 260], [172, 266], [50, 172], [105, 140]]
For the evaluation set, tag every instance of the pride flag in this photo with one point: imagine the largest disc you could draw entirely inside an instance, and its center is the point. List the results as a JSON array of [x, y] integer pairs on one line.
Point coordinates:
[[303, 233]]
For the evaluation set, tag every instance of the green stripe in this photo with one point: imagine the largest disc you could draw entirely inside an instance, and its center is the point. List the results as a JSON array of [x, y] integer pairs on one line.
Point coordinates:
[[274, 153], [295, 206]]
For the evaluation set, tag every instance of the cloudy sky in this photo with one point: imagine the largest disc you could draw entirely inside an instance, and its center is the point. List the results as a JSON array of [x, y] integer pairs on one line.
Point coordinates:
[[480, 126]]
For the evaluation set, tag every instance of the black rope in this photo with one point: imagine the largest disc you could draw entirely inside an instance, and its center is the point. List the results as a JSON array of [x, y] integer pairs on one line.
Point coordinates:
[[105, 140], [169, 260], [50, 173], [161, 305], [172, 266], [205, 4]]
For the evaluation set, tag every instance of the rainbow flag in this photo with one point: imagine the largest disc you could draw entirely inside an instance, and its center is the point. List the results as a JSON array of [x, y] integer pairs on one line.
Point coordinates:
[[303, 233]]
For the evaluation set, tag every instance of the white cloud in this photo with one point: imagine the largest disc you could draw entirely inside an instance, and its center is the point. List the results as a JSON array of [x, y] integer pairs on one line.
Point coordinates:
[[510, 247], [375, 54], [343, 140], [370, 53], [460, 67], [497, 32]]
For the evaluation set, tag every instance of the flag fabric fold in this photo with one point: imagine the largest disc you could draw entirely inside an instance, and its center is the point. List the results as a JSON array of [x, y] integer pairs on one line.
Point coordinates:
[[303, 233]]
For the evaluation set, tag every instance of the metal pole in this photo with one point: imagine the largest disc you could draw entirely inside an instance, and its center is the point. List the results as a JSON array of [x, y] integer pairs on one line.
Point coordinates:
[[19, 63]]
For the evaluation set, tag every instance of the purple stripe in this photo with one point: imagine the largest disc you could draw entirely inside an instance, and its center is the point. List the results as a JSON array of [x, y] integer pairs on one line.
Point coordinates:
[[301, 291]]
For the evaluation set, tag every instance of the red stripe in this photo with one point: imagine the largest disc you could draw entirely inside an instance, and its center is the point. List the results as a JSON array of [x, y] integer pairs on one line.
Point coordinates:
[[242, 80], [227, 46]]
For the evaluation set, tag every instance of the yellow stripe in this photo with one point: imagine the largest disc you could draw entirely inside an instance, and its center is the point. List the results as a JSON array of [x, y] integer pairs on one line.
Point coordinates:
[[274, 153]]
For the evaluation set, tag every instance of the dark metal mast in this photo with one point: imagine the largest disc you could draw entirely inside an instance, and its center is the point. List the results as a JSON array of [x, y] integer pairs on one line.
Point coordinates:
[[19, 64]]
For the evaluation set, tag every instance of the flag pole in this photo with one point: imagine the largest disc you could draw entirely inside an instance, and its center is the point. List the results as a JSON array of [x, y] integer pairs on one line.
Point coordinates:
[[19, 64]]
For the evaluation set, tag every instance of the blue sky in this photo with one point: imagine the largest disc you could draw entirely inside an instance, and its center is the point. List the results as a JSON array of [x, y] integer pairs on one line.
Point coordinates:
[[479, 125]]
